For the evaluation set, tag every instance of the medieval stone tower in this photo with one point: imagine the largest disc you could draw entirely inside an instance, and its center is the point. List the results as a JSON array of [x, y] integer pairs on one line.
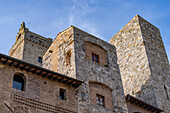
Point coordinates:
[[78, 54], [143, 62], [29, 47], [134, 62]]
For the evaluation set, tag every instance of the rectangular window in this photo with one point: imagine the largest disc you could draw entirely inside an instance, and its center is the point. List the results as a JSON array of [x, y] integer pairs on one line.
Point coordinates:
[[100, 100], [95, 57], [40, 59], [62, 94]]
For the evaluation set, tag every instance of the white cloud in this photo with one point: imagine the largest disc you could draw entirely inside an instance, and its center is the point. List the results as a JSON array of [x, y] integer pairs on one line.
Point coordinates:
[[78, 16]]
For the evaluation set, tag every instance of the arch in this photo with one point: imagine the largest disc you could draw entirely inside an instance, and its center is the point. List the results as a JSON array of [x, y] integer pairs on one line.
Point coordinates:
[[88, 42], [104, 85], [19, 81], [100, 94]]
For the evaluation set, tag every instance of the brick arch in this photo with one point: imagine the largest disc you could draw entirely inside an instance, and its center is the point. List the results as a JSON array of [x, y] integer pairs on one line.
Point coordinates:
[[93, 48], [99, 89], [93, 43], [21, 74], [102, 84]]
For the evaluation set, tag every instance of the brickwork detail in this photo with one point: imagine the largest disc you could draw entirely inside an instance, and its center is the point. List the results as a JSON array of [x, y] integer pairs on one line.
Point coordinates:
[[91, 48], [99, 89], [32, 103]]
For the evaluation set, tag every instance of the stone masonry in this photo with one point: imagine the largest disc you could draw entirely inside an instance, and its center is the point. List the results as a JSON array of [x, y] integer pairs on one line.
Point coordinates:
[[134, 62], [29, 46], [82, 68], [143, 62]]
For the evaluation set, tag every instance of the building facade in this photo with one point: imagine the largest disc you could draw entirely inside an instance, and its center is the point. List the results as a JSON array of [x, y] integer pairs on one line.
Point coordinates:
[[78, 72]]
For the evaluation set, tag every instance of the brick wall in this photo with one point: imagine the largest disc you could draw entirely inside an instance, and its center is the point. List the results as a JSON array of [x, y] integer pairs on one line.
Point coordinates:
[[99, 89], [96, 49], [41, 95], [132, 108]]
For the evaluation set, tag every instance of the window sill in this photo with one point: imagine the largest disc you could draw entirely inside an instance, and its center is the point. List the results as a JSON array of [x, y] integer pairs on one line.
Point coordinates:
[[98, 64]]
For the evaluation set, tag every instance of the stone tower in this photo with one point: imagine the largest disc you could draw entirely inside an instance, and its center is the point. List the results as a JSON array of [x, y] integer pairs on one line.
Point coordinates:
[[143, 62], [29, 47], [78, 54]]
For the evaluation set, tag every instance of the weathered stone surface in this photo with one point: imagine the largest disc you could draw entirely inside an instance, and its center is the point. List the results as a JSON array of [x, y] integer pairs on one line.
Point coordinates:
[[82, 45], [143, 62], [133, 62], [87, 70], [29, 46]]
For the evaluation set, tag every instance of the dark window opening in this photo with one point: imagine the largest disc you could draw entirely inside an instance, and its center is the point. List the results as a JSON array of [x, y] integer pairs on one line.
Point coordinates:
[[18, 82], [100, 100], [40, 59], [166, 92], [95, 57], [62, 94]]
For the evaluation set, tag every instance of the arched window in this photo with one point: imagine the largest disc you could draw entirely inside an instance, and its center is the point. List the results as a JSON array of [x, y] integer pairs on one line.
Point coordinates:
[[19, 82]]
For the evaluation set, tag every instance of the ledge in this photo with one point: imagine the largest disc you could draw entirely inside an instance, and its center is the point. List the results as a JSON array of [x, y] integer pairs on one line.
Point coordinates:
[[39, 71], [142, 104]]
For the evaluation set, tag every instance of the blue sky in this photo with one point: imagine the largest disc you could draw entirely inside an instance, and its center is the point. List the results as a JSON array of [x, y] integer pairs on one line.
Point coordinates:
[[102, 18]]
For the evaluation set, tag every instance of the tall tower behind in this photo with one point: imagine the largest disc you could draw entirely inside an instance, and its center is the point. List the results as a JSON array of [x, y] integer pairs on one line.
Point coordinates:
[[143, 62], [29, 47]]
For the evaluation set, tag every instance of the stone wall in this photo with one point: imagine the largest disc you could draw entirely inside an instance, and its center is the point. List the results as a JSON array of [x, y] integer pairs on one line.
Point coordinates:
[[35, 46], [40, 96], [55, 57], [135, 55], [158, 62], [142, 60], [29, 46], [17, 49], [82, 68], [87, 70]]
